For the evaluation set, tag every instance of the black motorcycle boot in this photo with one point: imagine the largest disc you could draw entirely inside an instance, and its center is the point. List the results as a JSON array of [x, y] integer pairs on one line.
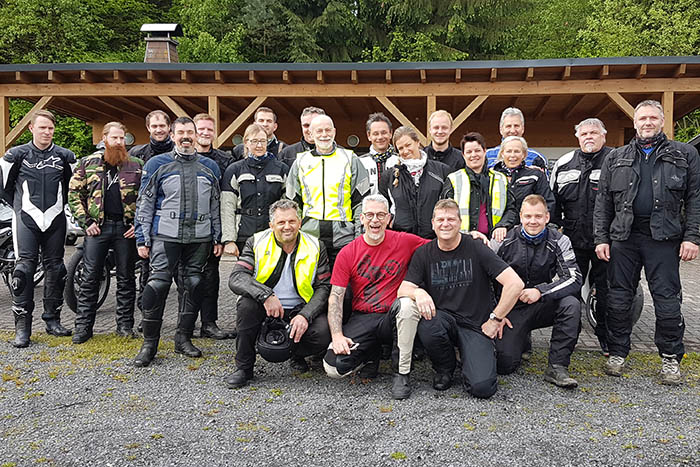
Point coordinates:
[[151, 336], [54, 284], [23, 327], [183, 335]]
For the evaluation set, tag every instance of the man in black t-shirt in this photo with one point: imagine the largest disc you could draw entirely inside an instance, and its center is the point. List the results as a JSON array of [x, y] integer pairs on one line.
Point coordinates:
[[449, 279]]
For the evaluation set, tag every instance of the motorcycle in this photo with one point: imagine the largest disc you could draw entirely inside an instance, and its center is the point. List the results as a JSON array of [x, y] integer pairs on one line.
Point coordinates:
[[7, 250], [590, 302], [74, 278]]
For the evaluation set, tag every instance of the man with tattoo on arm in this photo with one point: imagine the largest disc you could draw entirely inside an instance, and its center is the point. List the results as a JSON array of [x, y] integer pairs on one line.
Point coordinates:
[[373, 265]]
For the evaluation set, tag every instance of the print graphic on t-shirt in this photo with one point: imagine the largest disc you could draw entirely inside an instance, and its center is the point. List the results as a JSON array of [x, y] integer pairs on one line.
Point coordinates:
[[451, 273], [371, 294]]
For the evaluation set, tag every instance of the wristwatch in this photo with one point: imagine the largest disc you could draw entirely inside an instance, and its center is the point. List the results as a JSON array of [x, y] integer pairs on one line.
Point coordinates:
[[495, 318]]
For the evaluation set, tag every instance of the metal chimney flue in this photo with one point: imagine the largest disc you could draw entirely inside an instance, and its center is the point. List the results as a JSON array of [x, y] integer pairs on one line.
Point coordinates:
[[160, 45]]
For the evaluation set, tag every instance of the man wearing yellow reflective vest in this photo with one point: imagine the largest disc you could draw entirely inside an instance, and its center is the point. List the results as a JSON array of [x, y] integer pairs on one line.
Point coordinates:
[[486, 202], [281, 273], [330, 183]]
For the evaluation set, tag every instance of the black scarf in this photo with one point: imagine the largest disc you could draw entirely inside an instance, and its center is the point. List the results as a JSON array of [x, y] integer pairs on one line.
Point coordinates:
[[481, 182], [646, 143], [160, 147]]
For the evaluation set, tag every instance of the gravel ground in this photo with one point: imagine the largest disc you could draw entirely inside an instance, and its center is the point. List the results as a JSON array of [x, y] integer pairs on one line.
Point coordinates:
[[86, 405]]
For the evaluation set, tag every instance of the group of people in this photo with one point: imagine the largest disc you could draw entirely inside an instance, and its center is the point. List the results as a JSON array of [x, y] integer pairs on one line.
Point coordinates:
[[361, 257]]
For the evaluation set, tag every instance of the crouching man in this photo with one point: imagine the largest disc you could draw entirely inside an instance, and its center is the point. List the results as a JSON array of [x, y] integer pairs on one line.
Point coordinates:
[[545, 260], [449, 284], [281, 273]]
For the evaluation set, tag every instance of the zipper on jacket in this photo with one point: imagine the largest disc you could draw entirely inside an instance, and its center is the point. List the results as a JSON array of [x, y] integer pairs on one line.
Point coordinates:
[[323, 187]]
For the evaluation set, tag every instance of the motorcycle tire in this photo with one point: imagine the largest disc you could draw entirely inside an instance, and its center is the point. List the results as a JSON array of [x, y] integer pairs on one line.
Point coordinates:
[[74, 279]]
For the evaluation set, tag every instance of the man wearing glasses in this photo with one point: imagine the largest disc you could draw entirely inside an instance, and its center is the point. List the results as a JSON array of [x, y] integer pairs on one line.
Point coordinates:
[[373, 265]]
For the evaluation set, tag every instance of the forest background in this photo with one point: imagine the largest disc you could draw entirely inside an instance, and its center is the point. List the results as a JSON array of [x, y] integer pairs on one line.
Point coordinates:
[[286, 31]]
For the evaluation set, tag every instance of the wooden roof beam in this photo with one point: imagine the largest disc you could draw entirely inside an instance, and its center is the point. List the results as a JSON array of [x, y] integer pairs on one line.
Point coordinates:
[[458, 75], [540, 107], [116, 110], [513, 101], [54, 77], [680, 71], [118, 76], [96, 110], [22, 77], [130, 102], [185, 76], [173, 106], [343, 108], [253, 77], [530, 74], [464, 114], [567, 73], [393, 110], [571, 106], [642, 72], [423, 76], [353, 77], [604, 72], [622, 104], [600, 107], [494, 75], [287, 108], [287, 77], [319, 77], [219, 77], [194, 105], [238, 121], [387, 76], [89, 77], [152, 76], [12, 136]]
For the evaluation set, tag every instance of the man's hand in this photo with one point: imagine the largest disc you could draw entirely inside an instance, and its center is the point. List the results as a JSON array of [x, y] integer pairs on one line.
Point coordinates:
[[530, 295], [130, 233], [602, 251], [476, 235], [218, 249], [231, 249], [144, 252], [342, 344], [499, 234], [688, 251], [299, 326], [92, 230], [273, 307], [424, 303], [492, 328]]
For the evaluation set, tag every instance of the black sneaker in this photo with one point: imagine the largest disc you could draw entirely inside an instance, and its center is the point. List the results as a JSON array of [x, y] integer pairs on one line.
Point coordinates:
[[370, 370], [400, 387], [559, 376], [299, 364]]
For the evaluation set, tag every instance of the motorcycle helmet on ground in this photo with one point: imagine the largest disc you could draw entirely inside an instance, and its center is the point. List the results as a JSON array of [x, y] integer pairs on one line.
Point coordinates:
[[274, 344]]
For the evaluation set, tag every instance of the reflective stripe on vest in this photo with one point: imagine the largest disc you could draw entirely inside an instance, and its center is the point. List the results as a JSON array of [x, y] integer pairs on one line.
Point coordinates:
[[498, 185], [268, 254], [326, 183]]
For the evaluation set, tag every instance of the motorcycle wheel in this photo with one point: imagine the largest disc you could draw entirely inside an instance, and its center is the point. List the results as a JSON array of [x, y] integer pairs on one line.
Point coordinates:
[[74, 279], [591, 303]]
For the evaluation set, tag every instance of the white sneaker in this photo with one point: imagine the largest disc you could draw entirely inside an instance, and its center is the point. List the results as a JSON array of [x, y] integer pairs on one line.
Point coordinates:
[[670, 370], [613, 366]]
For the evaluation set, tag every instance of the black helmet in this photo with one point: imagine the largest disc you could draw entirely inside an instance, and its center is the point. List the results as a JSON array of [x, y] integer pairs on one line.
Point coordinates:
[[274, 344]]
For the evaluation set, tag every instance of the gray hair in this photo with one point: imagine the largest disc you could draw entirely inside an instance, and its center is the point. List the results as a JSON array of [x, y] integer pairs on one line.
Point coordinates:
[[283, 205], [508, 139], [650, 103], [374, 199], [591, 122], [322, 117], [377, 117], [312, 110], [512, 111]]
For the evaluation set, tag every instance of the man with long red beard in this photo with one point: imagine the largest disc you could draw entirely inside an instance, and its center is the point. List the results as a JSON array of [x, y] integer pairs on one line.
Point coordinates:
[[102, 197]]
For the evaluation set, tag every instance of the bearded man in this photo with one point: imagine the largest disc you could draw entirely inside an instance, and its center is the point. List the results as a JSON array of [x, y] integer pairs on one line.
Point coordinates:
[[102, 197]]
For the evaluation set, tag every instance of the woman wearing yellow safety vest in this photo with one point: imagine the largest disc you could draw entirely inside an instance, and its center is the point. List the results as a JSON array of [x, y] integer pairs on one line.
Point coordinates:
[[485, 201]]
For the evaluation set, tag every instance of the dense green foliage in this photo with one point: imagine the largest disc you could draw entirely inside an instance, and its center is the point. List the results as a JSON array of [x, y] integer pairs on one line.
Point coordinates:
[[348, 30]]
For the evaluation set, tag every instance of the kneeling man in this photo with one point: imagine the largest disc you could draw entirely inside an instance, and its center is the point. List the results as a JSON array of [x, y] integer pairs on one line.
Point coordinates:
[[449, 279], [545, 260], [281, 273]]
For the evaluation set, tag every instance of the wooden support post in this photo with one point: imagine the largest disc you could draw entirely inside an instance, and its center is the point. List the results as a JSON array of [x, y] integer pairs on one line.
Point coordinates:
[[173, 106], [667, 103], [464, 114], [24, 123], [242, 117], [622, 104], [214, 111], [430, 108], [4, 122], [400, 116]]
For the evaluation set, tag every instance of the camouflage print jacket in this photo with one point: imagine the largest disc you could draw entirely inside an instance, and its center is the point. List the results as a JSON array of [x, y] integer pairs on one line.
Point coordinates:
[[88, 182]]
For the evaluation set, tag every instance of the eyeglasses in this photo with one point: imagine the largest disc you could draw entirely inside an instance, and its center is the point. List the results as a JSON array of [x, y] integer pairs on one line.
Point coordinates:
[[258, 142], [379, 215]]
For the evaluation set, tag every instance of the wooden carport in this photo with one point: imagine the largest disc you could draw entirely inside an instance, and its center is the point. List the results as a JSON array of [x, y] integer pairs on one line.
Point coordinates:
[[553, 94]]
